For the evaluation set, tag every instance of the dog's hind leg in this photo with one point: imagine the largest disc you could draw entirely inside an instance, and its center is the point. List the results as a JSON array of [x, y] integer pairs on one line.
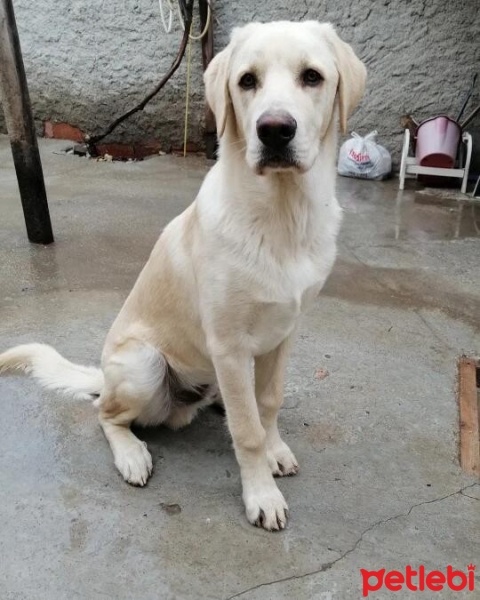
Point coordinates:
[[187, 402], [134, 375]]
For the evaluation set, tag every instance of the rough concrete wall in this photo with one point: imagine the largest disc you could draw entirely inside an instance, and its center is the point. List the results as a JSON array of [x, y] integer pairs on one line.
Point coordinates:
[[89, 60]]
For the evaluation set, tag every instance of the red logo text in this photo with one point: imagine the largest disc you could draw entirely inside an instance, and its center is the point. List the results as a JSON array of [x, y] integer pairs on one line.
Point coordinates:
[[359, 157], [418, 580]]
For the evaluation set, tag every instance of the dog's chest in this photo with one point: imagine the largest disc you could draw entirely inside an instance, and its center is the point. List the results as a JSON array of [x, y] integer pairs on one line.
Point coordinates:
[[273, 323], [280, 298]]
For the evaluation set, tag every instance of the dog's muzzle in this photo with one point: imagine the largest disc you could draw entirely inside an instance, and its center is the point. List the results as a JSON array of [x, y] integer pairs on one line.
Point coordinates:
[[276, 130]]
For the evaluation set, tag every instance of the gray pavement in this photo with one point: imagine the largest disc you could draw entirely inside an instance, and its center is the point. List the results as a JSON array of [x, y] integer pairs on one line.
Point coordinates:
[[377, 438]]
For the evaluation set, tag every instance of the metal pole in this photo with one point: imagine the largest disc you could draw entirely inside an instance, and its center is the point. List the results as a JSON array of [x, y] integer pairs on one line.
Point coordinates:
[[207, 55], [21, 130]]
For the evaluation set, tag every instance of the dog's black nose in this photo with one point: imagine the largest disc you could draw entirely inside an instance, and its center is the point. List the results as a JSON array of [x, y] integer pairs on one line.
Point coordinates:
[[276, 130]]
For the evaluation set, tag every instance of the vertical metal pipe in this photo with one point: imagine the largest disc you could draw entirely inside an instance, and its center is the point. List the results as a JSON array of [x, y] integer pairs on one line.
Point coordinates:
[[207, 55], [21, 130]]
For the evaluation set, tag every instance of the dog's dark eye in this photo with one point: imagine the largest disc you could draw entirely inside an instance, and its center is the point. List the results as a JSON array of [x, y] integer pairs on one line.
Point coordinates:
[[311, 77], [248, 81]]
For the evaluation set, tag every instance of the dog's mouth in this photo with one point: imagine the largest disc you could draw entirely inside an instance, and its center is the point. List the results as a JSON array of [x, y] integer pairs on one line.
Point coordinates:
[[275, 161]]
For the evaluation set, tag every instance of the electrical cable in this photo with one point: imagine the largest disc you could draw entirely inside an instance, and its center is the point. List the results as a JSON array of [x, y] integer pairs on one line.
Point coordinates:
[[207, 23], [167, 28], [92, 140]]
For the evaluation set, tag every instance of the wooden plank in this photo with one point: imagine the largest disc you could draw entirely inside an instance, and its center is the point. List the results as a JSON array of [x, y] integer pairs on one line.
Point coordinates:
[[469, 416], [21, 130]]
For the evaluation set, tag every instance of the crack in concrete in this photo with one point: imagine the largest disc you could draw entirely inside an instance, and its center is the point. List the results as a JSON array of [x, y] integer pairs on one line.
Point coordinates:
[[434, 333], [468, 496], [327, 566]]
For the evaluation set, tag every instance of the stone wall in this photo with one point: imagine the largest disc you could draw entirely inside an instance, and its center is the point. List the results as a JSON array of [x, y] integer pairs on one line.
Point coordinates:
[[89, 60]]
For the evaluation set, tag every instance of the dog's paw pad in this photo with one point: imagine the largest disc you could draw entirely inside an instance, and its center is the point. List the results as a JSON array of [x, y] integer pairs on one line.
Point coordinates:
[[282, 461], [267, 510], [135, 463]]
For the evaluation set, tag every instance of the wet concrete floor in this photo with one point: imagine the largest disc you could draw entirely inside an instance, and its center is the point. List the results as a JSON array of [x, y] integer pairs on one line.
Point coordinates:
[[376, 434]]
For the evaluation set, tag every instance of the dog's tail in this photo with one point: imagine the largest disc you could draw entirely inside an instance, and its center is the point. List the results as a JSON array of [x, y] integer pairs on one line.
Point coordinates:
[[53, 371]]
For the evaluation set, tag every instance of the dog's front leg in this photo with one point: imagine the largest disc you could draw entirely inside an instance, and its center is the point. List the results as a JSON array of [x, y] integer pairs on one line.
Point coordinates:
[[269, 382], [264, 503]]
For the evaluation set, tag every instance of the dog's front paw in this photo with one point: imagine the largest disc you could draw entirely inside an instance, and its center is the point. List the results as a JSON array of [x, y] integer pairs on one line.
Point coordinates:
[[282, 461], [266, 508], [134, 463]]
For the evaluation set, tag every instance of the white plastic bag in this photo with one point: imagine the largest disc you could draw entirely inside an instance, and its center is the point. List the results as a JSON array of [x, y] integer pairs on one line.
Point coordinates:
[[363, 157]]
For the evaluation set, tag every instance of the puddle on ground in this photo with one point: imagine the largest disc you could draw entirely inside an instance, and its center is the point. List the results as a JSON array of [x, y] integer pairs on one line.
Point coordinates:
[[400, 288], [436, 215], [412, 214]]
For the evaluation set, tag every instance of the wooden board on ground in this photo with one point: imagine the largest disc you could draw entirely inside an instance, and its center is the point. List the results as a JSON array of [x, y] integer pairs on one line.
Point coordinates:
[[468, 400]]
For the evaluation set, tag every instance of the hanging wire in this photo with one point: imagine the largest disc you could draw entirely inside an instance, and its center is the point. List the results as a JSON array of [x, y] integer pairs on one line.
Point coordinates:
[[167, 27], [90, 141], [207, 23]]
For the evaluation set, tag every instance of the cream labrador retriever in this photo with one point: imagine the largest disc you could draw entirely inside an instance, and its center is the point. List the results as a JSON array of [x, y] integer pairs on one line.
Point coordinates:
[[229, 278]]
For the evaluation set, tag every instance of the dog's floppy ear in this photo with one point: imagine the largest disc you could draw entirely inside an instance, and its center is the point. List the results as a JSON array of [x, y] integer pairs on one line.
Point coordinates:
[[352, 74], [216, 88]]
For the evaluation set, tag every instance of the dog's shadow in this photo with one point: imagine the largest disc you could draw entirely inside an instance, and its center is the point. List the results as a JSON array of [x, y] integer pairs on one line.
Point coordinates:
[[207, 434]]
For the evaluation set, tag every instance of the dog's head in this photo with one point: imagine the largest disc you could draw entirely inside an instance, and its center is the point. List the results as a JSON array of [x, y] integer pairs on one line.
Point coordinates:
[[274, 89]]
